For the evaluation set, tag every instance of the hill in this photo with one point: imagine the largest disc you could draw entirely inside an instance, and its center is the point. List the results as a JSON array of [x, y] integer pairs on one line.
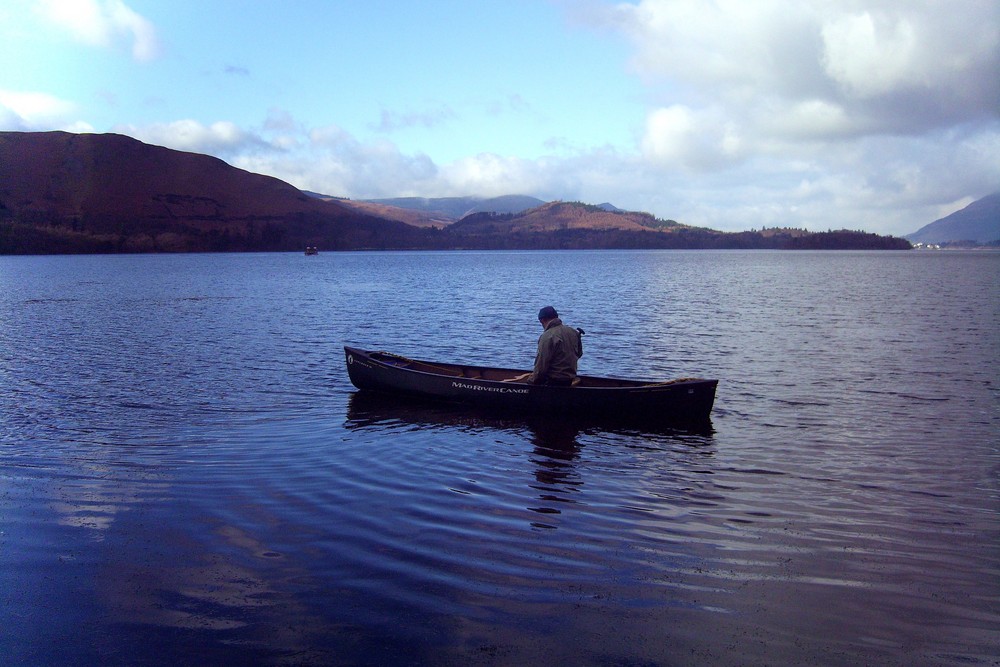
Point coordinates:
[[62, 192], [979, 222], [555, 216], [409, 216], [456, 208], [573, 225], [74, 193]]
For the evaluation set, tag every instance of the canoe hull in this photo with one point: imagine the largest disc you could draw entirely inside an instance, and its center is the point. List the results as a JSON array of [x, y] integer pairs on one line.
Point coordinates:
[[680, 401]]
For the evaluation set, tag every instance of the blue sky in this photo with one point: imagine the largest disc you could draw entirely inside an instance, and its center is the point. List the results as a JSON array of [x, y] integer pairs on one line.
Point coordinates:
[[865, 114]]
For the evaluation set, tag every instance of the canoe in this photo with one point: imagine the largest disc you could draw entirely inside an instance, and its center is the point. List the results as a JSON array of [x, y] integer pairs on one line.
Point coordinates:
[[683, 400]]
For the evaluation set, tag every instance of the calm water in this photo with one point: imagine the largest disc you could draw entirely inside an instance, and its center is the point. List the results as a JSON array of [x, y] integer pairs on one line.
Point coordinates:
[[187, 475]]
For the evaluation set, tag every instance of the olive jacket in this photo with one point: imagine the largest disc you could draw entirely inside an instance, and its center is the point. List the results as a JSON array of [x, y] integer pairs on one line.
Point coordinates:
[[559, 348]]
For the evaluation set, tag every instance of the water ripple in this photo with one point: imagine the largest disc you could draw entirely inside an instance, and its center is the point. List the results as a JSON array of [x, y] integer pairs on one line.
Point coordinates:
[[186, 471]]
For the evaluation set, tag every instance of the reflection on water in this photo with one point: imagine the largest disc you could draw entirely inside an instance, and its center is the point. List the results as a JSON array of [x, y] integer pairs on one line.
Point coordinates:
[[555, 450], [559, 433], [556, 441]]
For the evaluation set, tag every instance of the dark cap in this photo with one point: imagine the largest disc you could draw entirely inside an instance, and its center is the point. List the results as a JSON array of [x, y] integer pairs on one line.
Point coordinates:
[[547, 313]]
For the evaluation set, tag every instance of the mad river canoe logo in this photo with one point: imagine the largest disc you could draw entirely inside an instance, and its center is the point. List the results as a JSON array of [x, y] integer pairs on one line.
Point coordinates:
[[481, 387]]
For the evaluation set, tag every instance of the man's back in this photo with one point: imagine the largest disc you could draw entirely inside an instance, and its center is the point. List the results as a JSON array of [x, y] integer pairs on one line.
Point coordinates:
[[559, 348]]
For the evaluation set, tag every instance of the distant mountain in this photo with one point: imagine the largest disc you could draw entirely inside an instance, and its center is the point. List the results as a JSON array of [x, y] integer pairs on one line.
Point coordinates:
[[410, 216], [62, 192], [978, 222], [456, 208], [434, 212]]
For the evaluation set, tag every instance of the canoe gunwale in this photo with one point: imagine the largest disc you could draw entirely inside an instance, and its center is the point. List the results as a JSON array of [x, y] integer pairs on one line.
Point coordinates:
[[471, 372]]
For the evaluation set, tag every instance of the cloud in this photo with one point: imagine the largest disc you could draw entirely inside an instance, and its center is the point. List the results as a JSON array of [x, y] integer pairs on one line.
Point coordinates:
[[391, 121], [809, 120], [491, 175], [331, 160], [679, 135], [886, 66], [33, 108], [366, 169], [868, 59], [224, 138], [104, 23], [878, 53], [24, 111]]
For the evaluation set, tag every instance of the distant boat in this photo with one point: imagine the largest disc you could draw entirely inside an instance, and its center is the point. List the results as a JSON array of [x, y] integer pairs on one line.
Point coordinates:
[[312, 250], [633, 401]]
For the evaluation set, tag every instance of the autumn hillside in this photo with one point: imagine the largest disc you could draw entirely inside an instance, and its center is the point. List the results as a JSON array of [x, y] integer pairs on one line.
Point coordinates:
[[555, 216], [62, 192]]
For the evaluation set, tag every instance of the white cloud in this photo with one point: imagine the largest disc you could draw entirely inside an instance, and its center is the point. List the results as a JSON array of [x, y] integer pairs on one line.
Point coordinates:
[[221, 138], [104, 23], [332, 161], [682, 136], [35, 108], [491, 175], [925, 48], [914, 65], [25, 111], [10, 121], [808, 119], [870, 59]]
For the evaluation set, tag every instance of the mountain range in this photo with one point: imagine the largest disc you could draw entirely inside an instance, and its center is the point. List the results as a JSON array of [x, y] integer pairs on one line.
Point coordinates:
[[435, 212], [72, 193], [977, 223]]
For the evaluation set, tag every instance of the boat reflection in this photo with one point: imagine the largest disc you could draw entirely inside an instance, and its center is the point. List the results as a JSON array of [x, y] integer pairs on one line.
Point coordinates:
[[556, 435], [557, 480], [556, 442]]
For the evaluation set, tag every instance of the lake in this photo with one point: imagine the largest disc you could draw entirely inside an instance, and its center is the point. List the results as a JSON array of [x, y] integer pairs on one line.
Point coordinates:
[[187, 475]]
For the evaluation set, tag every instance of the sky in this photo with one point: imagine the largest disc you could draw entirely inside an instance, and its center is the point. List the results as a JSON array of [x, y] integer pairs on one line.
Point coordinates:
[[881, 115]]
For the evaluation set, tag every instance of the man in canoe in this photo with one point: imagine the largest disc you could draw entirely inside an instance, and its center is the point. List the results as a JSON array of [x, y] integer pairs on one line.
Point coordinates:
[[559, 348]]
